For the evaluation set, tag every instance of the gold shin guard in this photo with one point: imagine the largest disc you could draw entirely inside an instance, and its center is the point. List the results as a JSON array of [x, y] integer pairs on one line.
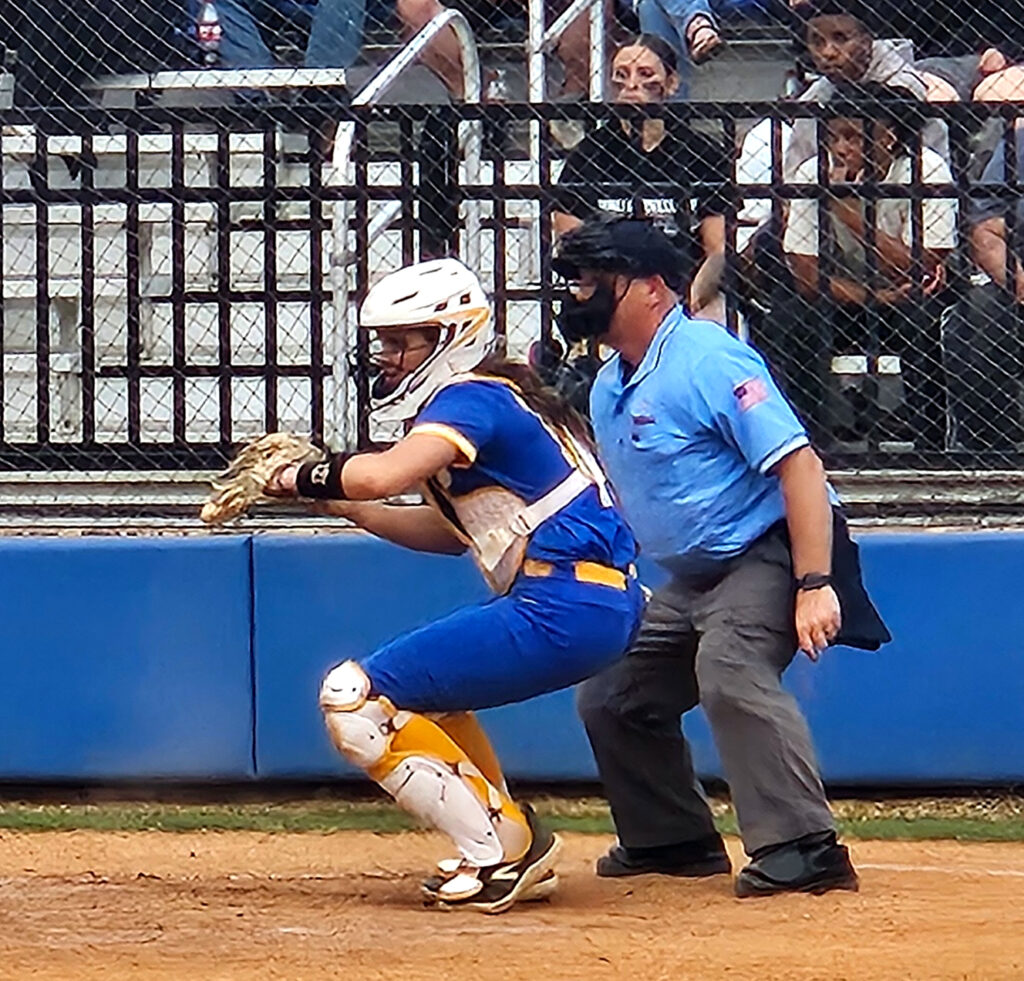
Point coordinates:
[[427, 772], [465, 731]]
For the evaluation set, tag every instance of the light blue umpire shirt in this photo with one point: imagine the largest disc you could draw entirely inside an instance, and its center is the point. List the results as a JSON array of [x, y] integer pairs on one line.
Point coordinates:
[[688, 441]]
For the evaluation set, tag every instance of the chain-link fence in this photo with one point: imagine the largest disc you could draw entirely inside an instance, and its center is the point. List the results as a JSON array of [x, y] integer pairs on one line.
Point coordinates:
[[196, 195]]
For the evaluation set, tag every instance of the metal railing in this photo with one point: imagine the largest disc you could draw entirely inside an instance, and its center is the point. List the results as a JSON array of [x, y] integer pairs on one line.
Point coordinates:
[[347, 428], [206, 294], [542, 40]]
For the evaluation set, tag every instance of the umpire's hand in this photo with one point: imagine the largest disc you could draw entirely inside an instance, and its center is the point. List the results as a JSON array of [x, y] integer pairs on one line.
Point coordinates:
[[817, 619]]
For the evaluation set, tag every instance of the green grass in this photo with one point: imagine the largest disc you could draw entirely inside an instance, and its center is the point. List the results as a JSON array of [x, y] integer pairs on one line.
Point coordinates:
[[982, 819], [925, 829], [316, 817]]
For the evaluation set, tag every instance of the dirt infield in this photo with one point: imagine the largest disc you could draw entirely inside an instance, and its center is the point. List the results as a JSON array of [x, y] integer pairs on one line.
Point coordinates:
[[242, 905]]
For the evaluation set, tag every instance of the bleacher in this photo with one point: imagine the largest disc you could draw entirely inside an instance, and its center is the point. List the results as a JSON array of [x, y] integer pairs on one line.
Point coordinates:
[[180, 265]]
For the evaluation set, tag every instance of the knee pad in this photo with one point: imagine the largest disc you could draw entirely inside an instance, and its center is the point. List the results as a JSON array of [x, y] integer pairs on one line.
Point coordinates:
[[345, 688], [360, 726], [416, 762]]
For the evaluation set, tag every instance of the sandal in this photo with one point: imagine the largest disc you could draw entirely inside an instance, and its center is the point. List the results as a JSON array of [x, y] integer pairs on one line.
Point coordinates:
[[703, 41]]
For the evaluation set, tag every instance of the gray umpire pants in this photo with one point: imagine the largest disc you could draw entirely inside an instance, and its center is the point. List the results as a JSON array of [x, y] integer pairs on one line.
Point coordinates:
[[724, 642]]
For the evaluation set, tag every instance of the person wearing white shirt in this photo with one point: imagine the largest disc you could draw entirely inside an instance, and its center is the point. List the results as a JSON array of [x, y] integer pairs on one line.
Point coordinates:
[[878, 268], [890, 282], [844, 50]]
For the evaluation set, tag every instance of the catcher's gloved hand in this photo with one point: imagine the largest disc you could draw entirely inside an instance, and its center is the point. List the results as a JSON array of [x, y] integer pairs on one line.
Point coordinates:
[[247, 477]]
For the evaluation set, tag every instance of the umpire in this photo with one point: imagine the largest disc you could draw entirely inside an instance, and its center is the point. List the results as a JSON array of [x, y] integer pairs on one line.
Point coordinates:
[[718, 479]]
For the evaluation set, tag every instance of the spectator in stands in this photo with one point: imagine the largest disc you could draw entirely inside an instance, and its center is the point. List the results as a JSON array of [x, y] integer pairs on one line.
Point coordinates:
[[59, 53], [955, 79], [336, 33], [444, 56], [981, 334], [573, 48], [661, 170], [874, 139], [692, 27], [842, 47], [336, 36], [688, 25]]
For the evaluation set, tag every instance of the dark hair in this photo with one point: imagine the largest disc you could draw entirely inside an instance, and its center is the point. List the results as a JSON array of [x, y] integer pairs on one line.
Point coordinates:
[[803, 13], [658, 47], [543, 400], [893, 105]]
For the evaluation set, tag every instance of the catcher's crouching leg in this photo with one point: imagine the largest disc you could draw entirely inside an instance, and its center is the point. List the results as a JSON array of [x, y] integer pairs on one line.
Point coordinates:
[[464, 729], [503, 853]]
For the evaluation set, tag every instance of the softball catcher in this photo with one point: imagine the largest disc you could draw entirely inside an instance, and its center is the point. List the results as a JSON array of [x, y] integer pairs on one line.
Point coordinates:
[[507, 473]]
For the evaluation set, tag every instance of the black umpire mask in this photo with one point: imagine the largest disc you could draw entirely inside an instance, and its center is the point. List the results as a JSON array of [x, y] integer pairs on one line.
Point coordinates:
[[581, 320]]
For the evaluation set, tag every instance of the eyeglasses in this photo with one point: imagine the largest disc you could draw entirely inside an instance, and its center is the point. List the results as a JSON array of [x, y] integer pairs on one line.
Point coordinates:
[[392, 347]]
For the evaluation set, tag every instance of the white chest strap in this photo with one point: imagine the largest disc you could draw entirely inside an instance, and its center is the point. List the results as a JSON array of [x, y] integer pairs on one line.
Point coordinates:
[[532, 516]]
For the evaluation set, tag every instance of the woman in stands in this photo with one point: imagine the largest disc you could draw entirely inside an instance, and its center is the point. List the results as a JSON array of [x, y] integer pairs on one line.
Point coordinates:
[[508, 474], [658, 169]]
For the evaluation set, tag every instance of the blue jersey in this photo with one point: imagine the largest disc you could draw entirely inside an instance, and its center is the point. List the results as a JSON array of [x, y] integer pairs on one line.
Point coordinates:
[[689, 440], [505, 446]]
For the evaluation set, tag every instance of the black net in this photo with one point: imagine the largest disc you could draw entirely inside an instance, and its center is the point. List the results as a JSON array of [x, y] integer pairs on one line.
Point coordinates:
[[197, 195]]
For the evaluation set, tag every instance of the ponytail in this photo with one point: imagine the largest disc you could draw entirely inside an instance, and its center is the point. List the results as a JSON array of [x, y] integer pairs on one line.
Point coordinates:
[[550, 406]]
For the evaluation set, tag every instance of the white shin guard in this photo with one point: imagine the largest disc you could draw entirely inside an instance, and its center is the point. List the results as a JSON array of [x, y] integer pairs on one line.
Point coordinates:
[[427, 774]]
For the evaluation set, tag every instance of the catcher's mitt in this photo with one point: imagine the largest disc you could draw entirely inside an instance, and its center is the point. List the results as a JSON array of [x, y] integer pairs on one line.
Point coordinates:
[[244, 483]]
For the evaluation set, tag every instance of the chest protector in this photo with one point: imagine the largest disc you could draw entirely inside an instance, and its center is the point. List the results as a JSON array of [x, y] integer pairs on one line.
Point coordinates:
[[496, 524]]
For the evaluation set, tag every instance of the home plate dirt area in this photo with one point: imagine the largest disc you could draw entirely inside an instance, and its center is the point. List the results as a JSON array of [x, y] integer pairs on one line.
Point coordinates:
[[243, 905]]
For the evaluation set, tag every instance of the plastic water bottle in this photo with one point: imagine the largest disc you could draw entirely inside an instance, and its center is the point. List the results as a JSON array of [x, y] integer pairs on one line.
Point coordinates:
[[208, 32]]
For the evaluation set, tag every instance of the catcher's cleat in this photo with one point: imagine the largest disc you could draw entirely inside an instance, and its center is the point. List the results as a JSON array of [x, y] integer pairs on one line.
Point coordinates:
[[543, 889], [496, 889], [816, 863]]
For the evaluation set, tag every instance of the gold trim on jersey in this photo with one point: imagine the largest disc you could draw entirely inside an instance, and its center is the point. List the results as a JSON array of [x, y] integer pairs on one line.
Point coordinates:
[[449, 433], [567, 444]]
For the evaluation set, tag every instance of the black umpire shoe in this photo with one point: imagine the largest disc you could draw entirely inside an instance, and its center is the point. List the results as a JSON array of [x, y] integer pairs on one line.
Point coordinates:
[[691, 859], [814, 863]]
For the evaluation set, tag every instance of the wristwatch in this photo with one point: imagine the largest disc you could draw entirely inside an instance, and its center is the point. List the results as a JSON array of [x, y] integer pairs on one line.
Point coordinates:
[[814, 580]]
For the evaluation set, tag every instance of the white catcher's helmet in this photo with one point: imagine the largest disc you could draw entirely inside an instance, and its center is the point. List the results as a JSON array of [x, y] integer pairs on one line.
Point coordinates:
[[441, 293]]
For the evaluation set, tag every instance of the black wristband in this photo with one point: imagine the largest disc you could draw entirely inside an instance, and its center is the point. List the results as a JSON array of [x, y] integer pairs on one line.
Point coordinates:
[[322, 481], [814, 580]]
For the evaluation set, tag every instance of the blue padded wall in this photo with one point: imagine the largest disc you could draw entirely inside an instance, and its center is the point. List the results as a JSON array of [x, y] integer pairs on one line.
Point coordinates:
[[943, 703], [318, 601], [125, 658], [133, 659]]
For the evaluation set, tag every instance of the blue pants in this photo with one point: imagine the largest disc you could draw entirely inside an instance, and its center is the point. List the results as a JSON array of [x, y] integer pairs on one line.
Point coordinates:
[[669, 19], [545, 634], [335, 37]]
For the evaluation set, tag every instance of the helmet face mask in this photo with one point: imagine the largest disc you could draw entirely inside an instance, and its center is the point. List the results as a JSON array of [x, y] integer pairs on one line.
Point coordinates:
[[396, 353], [588, 317], [441, 296], [596, 254]]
